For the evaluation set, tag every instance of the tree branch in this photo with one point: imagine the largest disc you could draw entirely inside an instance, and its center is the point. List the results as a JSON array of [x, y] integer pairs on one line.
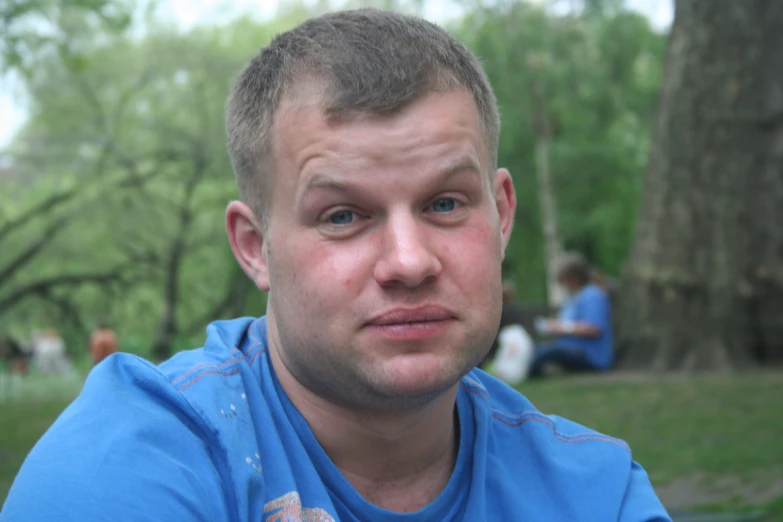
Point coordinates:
[[67, 309], [133, 179], [44, 206], [45, 285], [54, 201], [31, 251]]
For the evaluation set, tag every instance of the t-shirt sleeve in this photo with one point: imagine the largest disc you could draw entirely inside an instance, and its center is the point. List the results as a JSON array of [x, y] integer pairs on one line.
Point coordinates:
[[128, 448], [640, 503], [594, 309]]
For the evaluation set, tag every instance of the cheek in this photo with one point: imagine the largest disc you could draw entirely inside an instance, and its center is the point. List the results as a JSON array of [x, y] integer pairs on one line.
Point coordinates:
[[475, 254], [484, 236], [321, 266], [480, 241]]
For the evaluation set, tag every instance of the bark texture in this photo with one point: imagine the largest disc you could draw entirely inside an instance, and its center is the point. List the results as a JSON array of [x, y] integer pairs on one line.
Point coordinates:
[[703, 288]]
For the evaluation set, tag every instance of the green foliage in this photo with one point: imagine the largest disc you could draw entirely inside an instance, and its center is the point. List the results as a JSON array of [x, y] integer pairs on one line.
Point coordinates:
[[123, 156], [33, 27], [597, 76], [132, 135]]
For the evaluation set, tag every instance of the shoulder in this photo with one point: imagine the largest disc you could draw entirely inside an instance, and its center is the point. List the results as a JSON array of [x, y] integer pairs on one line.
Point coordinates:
[[128, 383], [221, 356], [594, 293], [558, 457], [229, 346], [205, 385], [519, 427], [133, 417]]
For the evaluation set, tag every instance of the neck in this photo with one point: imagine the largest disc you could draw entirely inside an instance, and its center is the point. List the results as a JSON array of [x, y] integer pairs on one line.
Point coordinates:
[[397, 460]]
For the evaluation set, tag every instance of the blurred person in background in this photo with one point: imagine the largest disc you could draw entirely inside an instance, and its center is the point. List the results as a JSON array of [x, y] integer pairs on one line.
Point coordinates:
[[581, 335], [103, 343], [49, 353]]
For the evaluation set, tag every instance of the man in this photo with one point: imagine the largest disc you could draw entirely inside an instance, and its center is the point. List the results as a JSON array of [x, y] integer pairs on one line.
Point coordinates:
[[364, 145], [103, 343], [583, 330]]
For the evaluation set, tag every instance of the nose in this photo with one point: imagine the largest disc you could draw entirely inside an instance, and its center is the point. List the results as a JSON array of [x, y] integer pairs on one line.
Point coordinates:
[[407, 255]]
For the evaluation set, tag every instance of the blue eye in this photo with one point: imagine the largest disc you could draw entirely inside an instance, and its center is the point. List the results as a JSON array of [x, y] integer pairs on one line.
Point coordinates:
[[342, 217], [445, 204]]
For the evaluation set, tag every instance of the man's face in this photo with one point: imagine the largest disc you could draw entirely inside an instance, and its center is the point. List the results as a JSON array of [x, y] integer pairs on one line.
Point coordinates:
[[383, 251]]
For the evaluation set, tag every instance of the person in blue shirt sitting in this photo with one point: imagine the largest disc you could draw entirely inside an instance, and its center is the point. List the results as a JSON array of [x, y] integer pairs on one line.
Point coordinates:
[[372, 211], [583, 329]]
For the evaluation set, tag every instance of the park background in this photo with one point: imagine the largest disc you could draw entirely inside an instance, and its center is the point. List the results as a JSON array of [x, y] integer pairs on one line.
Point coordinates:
[[646, 134]]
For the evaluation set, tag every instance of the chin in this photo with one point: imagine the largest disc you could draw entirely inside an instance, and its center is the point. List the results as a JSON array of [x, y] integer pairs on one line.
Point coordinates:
[[423, 376]]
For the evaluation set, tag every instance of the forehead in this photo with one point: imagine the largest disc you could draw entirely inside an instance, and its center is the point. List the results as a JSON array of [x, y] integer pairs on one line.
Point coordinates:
[[438, 124]]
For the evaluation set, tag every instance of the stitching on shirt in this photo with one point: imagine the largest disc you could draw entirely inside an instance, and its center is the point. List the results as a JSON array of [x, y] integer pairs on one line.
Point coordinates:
[[255, 356], [474, 383], [518, 420], [217, 367], [256, 340], [474, 391], [516, 416], [203, 365], [194, 381]]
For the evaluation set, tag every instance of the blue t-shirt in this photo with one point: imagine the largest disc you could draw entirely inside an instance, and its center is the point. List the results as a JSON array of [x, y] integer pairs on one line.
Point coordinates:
[[210, 436], [591, 305]]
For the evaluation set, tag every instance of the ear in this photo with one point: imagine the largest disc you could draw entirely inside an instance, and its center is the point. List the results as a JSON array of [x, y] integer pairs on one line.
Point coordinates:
[[246, 236], [506, 203]]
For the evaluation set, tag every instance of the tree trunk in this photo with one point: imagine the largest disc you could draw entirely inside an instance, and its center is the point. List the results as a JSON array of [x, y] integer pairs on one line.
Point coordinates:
[[703, 289], [553, 244], [168, 327]]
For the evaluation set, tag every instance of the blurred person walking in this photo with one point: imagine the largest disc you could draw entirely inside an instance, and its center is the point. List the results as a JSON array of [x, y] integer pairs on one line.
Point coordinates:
[[103, 343]]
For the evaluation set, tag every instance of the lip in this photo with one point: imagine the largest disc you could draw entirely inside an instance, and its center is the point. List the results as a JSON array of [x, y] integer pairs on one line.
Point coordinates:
[[420, 314], [409, 324]]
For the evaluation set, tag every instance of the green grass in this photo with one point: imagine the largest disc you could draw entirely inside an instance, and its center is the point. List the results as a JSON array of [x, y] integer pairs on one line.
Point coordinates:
[[27, 408], [710, 430], [22, 425]]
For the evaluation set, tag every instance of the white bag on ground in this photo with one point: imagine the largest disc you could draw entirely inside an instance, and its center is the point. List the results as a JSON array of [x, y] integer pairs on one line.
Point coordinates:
[[514, 355]]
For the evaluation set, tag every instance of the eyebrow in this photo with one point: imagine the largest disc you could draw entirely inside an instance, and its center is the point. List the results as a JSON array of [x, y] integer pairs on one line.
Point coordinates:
[[326, 182]]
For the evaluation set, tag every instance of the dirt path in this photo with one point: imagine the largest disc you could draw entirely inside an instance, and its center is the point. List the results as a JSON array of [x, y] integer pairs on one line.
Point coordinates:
[[622, 376], [701, 490]]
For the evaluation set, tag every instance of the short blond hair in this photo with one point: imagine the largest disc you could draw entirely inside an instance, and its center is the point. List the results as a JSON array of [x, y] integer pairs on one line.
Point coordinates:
[[366, 61]]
